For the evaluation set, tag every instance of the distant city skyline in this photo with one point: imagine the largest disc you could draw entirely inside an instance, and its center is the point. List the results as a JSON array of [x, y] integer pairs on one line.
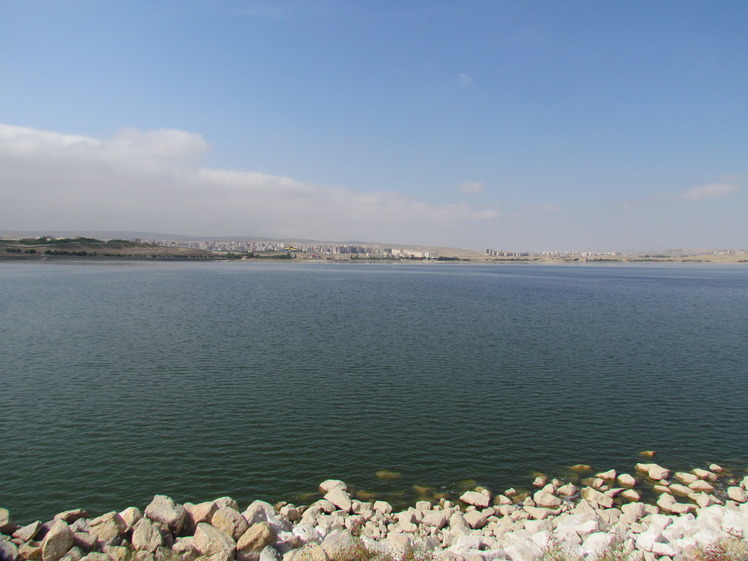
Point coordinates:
[[520, 126]]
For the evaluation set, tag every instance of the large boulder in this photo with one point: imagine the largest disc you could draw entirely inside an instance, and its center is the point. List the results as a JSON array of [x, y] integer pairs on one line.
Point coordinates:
[[701, 486], [71, 516], [596, 498], [737, 494], [254, 540], [146, 536], [7, 526], [209, 541], [131, 515], [230, 521], [340, 498], [545, 499], [309, 552], [85, 540], [436, 518], [167, 513], [480, 499], [32, 551], [226, 502], [57, 542], [329, 484], [8, 550], [626, 480], [340, 544], [685, 477], [28, 532], [476, 519], [196, 513], [259, 511], [658, 472], [108, 528]]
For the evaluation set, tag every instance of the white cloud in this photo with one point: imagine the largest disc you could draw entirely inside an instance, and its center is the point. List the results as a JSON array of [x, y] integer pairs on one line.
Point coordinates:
[[464, 79], [696, 193], [710, 191], [471, 187], [153, 181]]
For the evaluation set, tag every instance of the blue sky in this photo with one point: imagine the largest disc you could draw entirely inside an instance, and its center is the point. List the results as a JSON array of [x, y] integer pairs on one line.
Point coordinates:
[[478, 123]]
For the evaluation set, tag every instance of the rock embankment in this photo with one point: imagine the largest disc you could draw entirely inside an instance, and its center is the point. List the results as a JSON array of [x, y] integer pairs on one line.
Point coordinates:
[[594, 517]]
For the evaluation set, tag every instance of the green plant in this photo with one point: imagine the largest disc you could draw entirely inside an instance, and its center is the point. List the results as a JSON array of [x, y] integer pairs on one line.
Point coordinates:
[[559, 551], [730, 549], [618, 549]]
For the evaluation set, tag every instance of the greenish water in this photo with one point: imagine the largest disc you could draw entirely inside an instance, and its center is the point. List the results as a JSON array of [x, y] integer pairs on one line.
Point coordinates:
[[119, 381]]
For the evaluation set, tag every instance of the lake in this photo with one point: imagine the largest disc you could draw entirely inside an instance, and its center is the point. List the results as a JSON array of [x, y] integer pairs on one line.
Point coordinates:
[[122, 380]]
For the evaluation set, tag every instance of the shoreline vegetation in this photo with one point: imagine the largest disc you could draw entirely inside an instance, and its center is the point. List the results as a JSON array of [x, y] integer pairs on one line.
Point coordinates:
[[80, 248], [649, 514]]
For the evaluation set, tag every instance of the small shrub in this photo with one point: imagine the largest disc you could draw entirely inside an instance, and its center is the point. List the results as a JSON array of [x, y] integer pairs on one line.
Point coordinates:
[[619, 549], [731, 549], [558, 551]]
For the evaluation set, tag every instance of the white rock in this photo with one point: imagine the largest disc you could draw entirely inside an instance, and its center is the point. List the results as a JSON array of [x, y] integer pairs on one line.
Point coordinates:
[[597, 498], [737, 494], [476, 498], [436, 519], [230, 521], [539, 513], [210, 540], [57, 542], [476, 519], [536, 526], [658, 473], [131, 516], [340, 498], [682, 490], [146, 536], [223, 502], [635, 510], [685, 477], [567, 490], [269, 553], [663, 549], [28, 532], [607, 475], [383, 506], [526, 550], [544, 499], [626, 480], [665, 502], [164, 510], [339, 544], [307, 533], [701, 486], [704, 474], [108, 528], [595, 544], [330, 484], [704, 499], [196, 513], [309, 552], [540, 481], [646, 540], [631, 495]]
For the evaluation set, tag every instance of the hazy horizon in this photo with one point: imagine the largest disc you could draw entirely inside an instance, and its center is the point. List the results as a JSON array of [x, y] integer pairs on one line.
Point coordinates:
[[518, 126]]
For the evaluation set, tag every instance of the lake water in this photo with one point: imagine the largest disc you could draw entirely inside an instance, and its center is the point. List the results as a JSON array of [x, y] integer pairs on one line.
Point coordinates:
[[119, 381]]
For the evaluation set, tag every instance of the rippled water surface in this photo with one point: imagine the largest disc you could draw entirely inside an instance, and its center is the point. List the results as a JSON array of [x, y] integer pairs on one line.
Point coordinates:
[[120, 381]]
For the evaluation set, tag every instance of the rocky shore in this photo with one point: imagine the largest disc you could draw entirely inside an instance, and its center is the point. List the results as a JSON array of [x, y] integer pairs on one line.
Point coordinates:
[[701, 514]]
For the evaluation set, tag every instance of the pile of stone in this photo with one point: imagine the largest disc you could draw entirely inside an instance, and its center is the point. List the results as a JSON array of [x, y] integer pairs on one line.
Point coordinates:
[[691, 511]]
